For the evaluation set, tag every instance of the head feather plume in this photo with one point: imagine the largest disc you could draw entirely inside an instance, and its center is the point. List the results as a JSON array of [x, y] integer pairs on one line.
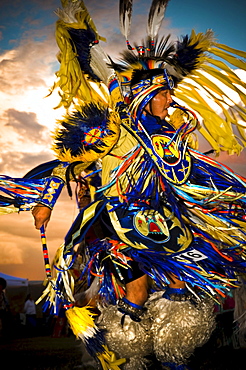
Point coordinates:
[[201, 67], [156, 15], [180, 58], [125, 13], [153, 57]]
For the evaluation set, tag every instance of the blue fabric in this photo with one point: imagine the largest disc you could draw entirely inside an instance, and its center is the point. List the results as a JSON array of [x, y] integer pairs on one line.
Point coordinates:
[[178, 291], [150, 123], [219, 262], [21, 193], [131, 303], [94, 345], [24, 192], [52, 190], [43, 170], [159, 252], [174, 366]]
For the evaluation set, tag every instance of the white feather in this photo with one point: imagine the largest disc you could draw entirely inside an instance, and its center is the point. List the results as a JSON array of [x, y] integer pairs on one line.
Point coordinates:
[[156, 17], [99, 64], [125, 27], [125, 17], [67, 14]]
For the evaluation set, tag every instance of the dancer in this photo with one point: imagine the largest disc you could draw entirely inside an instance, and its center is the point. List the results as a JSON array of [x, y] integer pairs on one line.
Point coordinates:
[[165, 229]]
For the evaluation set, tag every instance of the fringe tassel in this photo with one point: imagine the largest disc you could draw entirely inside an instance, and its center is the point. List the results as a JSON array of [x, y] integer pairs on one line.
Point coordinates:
[[81, 321], [108, 360]]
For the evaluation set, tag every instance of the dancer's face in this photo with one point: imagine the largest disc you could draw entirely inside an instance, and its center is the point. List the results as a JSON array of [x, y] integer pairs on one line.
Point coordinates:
[[159, 104]]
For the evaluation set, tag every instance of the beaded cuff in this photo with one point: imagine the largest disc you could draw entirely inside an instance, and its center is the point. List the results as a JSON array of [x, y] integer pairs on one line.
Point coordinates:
[[133, 310], [52, 190], [177, 294]]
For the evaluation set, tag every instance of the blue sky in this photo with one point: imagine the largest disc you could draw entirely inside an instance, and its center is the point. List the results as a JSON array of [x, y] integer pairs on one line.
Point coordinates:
[[19, 19], [225, 18], [27, 65]]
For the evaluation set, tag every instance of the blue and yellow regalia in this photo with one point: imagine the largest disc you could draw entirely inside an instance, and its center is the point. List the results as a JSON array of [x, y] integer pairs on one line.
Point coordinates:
[[159, 207]]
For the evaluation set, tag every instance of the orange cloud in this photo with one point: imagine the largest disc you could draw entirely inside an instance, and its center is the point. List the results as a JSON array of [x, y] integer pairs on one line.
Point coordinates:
[[20, 244]]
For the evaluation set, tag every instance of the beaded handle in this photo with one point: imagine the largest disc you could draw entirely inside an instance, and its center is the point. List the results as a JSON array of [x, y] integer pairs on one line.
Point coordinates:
[[45, 253]]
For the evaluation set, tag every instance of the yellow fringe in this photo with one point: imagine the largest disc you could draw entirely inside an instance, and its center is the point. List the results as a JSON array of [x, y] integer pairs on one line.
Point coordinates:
[[81, 321], [72, 81], [222, 86], [108, 360]]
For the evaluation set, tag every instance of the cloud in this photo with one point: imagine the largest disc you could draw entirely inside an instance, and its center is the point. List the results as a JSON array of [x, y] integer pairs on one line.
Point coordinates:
[[27, 66], [20, 245], [47, 5], [16, 13], [26, 74], [25, 124], [14, 238], [24, 143], [17, 164]]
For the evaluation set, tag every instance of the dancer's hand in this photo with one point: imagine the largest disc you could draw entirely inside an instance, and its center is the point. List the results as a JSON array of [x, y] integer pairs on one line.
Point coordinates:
[[41, 215]]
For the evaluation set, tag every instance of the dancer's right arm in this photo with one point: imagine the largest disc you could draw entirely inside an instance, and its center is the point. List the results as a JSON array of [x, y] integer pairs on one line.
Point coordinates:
[[41, 215]]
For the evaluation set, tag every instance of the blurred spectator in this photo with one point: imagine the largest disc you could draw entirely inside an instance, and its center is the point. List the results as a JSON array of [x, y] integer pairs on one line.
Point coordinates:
[[31, 316], [60, 325], [4, 310]]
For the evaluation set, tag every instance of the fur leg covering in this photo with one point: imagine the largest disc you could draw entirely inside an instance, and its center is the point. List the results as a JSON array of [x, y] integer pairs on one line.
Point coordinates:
[[126, 338], [179, 327]]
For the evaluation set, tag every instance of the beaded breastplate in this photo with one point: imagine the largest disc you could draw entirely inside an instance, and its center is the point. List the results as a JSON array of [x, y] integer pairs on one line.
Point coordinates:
[[166, 148]]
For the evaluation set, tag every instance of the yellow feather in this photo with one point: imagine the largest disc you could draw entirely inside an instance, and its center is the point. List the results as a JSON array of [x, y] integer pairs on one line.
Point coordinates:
[[240, 53], [71, 80], [108, 360], [214, 128], [81, 321], [222, 109], [8, 209]]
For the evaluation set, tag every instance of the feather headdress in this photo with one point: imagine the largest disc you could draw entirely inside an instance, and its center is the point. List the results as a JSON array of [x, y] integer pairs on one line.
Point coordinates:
[[204, 82], [201, 68]]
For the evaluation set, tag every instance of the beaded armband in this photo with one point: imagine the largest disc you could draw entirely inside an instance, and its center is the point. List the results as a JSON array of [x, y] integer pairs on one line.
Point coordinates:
[[177, 294], [133, 310], [52, 190]]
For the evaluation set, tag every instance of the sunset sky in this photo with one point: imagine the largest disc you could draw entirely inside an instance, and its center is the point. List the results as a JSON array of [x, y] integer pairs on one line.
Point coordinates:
[[27, 66]]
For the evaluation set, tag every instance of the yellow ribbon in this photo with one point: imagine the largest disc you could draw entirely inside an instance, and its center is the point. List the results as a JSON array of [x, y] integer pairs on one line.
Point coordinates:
[[109, 361]]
